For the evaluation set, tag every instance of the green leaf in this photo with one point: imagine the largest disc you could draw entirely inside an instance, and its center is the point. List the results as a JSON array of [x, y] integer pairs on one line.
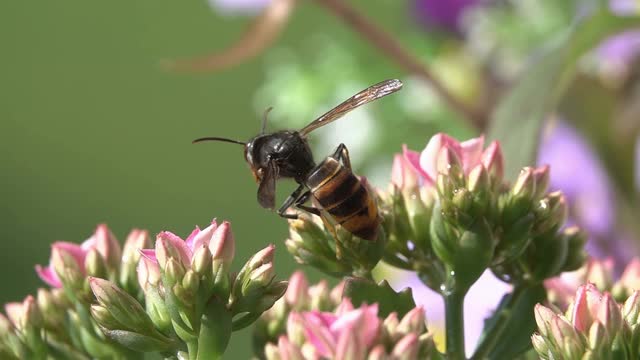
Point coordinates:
[[365, 291], [519, 323], [518, 119]]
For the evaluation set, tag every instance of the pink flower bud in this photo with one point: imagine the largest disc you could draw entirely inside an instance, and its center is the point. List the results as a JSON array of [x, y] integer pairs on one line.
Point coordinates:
[[295, 328], [478, 179], [71, 251], [222, 243], [169, 245], [631, 308], [493, 161], [562, 331], [541, 176], [429, 157], [609, 315], [377, 353], [581, 312], [108, 246], [263, 256], [198, 237], [23, 314], [407, 348], [471, 152], [296, 294], [525, 185], [630, 278], [448, 162], [136, 241], [543, 316], [317, 332], [148, 272], [403, 174], [287, 350], [413, 321], [349, 346]]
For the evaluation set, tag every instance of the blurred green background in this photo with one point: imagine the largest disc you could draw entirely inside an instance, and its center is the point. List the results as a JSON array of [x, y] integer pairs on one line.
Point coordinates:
[[93, 131]]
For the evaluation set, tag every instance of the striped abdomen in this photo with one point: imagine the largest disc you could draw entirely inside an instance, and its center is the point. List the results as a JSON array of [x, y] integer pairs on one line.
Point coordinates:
[[344, 197]]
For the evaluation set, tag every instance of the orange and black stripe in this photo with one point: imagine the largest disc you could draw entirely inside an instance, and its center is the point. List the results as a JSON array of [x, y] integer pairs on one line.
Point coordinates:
[[345, 198]]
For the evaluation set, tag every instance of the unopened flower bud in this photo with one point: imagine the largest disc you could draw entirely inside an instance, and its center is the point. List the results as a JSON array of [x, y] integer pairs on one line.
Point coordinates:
[[258, 278], [271, 352], [349, 346], [190, 281], [377, 353], [296, 295], [631, 308], [122, 306], [136, 241], [406, 348], [295, 328], [630, 279], [525, 186], [66, 267], [201, 261], [402, 173], [104, 318], [287, 350], [543, 316], [174, 271], [413, 321], [551, 212], [597, 336], [493, 161], [108, 246], [148, 272], [321, 296], [222, 243], [449, 164], [478, 179], [5, 326], [169, 245], [95, 265], [541, 175], [609, 315], [539, 344]]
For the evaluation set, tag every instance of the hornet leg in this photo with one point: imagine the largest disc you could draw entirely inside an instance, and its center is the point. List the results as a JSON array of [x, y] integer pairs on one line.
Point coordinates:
[[342, 154], [293, 198]]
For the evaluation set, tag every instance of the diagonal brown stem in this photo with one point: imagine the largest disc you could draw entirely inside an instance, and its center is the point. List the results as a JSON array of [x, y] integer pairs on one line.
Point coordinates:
[[392, 48]]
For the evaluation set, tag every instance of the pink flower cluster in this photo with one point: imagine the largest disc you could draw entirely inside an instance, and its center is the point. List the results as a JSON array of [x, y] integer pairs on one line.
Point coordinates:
[[591, 328], [102, 243], [352, 333], [214, 242], [441, 153], [600, 273]]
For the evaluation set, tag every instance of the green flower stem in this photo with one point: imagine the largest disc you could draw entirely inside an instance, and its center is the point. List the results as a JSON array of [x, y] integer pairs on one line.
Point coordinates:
[[454, 312], [192, 349], [492, 335]]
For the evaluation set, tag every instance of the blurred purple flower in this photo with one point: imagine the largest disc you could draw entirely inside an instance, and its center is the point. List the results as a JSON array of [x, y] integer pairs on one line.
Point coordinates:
[[618, 53], [238, 7], [443, 14], [579, 174], [625, 7], [480, 302]]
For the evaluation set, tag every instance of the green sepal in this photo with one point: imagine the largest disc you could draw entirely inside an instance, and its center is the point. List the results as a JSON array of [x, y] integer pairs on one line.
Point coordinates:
[[361, 291], [138, 342]]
